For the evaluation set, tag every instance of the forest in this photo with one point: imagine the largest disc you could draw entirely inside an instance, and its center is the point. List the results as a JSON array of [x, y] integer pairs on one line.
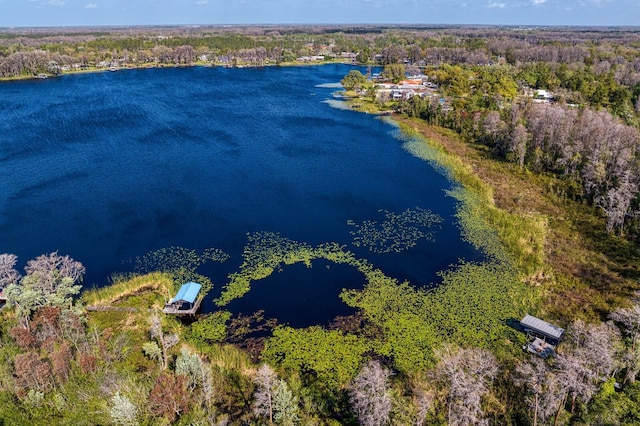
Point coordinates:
[[549, 189]]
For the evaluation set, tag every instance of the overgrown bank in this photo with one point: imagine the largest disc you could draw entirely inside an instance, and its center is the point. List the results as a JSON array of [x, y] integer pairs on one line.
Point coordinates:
[[560, 245]]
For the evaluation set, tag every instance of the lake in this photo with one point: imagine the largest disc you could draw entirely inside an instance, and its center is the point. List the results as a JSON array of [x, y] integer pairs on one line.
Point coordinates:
[[106, 167]]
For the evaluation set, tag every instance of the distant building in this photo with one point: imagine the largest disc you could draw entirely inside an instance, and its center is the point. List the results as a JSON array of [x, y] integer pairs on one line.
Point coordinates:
[[540, 95]]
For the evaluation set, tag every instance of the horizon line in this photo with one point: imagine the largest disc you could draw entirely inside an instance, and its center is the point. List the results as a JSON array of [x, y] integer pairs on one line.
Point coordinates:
[[386, 25]]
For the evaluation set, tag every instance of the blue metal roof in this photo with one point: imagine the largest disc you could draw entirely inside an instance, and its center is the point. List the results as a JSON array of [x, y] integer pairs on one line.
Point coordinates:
[[188, 293]]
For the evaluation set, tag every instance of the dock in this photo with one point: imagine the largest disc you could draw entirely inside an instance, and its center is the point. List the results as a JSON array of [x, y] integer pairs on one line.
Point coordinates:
[[186, 302], [540, 348], [173, 310]]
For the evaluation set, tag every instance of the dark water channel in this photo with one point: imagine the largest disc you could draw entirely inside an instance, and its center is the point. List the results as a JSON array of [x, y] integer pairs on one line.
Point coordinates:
[[107, 167]]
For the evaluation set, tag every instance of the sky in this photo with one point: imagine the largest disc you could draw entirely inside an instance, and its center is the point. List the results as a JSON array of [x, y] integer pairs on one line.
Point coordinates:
[[38, 13]]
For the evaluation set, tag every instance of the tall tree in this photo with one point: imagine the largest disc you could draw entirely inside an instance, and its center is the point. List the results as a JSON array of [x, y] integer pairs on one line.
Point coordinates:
[[169, 396], [532, 376], [587, 359], [629, 320], [266, 380], [355, 80], [466, 375], [166, 340], [394, 72], [123, 412], [51, 280], [8, 274], [517, 147], [370, 395], [285, 405], [616, 202]]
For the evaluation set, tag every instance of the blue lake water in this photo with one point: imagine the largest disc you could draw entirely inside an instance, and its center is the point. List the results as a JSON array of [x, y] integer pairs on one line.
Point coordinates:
[[107, 167]]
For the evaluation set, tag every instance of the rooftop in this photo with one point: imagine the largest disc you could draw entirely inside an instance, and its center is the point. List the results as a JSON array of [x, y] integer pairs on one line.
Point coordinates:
[[537, 325], [188, 293]]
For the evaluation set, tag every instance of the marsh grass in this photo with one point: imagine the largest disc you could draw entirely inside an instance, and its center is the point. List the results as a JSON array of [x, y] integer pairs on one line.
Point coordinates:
[[226, 356], [160, 282], [556, 242], [520, 238]]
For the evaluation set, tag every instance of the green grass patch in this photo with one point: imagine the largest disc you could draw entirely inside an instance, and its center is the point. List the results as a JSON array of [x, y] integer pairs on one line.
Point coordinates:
[[159, 282]]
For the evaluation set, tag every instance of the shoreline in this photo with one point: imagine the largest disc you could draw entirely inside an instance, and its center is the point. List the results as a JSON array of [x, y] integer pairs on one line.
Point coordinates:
[[153, 66]]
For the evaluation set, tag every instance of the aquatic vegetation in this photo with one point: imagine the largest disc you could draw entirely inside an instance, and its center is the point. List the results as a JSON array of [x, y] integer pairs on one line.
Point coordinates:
[[173, 258], [399, 232], [181, 263], [338, 104], [213, 328], [332, 356], [473, 303], [266, 252]]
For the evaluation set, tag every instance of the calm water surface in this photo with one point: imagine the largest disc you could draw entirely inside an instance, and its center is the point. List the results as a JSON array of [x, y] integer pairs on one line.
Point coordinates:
[[106, 167]]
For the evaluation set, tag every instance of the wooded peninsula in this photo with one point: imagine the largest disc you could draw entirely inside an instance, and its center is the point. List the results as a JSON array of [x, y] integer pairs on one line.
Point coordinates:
[[540, 127]]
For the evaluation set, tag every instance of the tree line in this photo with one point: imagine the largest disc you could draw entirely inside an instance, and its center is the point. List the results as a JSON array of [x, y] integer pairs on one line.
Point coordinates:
[[594, 152]]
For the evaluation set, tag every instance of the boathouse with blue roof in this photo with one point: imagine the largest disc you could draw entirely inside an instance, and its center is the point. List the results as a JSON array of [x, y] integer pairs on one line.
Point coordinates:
[[186, 301]]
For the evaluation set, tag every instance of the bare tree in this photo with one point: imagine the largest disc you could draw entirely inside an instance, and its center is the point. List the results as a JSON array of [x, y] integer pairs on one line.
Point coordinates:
[[393, 54], [166, 340], [185, 55], [51, 268], [370, 396], [466, 375], [588, 359], [8, 275], [494, 128], [415, 54], [629, 320], [51, 280], [266, 381], [517, 147], [423, 401], [533, 376], [616, 202]]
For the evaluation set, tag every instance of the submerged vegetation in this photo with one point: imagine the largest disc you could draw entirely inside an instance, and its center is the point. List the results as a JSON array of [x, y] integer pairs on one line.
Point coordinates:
[[553, 211]]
